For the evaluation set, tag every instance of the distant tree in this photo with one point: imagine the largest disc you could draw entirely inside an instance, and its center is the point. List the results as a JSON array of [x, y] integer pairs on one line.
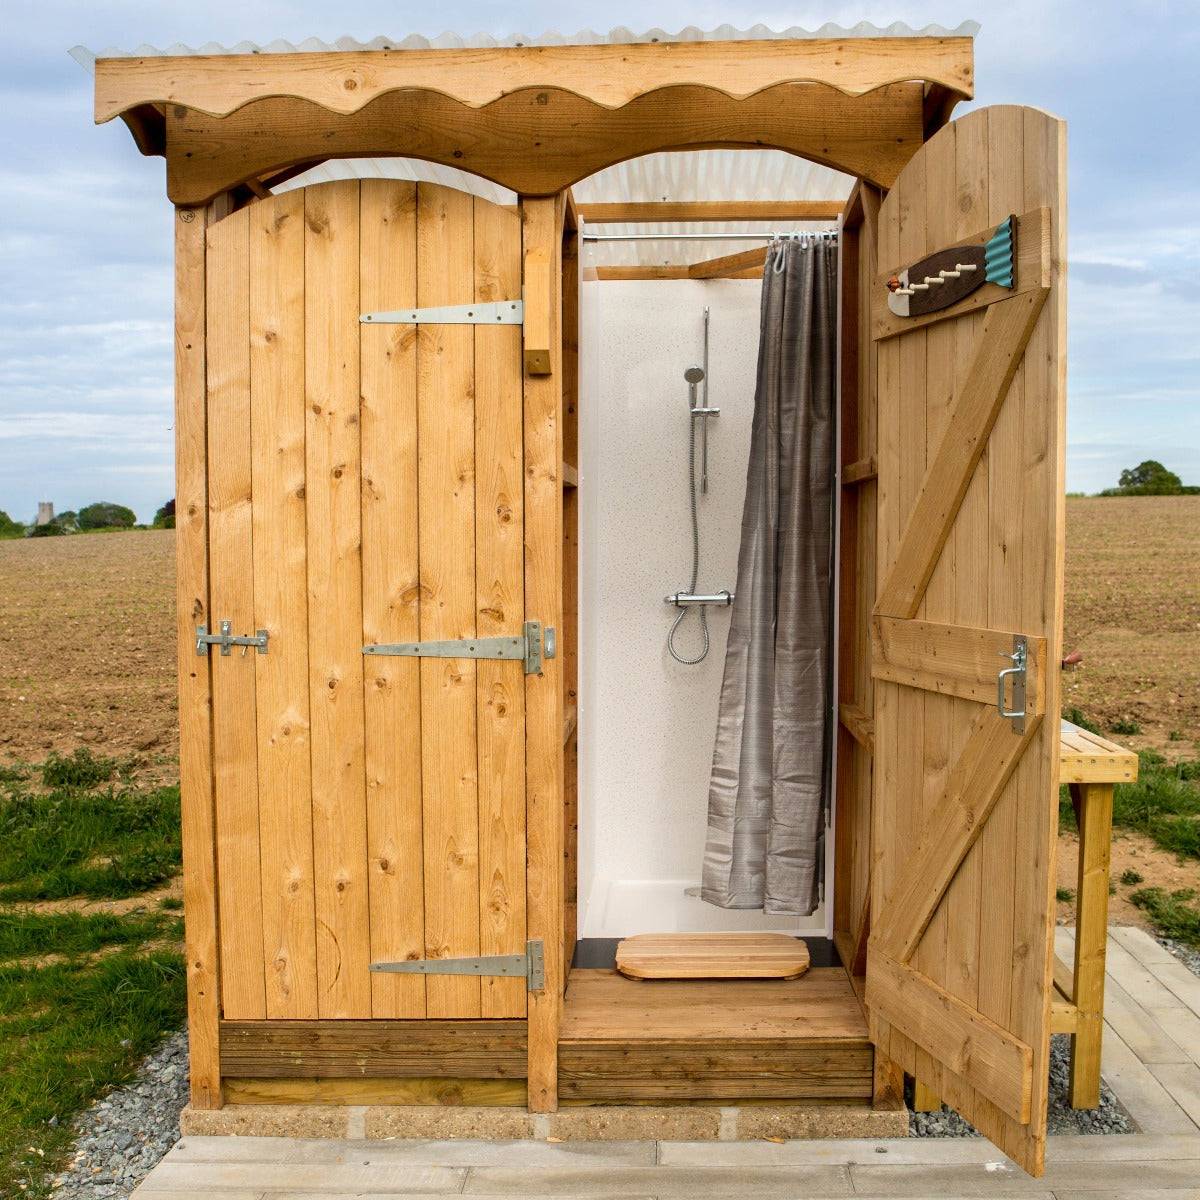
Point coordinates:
[[68, 520], [50, 529], [1149, 478], [165, 517], [10, 528], [106, 515]]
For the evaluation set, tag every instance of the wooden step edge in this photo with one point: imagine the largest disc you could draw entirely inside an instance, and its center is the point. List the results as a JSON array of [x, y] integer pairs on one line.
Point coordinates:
[[570, 476]]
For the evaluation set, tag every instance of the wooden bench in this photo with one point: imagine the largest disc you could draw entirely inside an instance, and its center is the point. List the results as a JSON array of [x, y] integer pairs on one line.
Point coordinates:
[[1090, 767]]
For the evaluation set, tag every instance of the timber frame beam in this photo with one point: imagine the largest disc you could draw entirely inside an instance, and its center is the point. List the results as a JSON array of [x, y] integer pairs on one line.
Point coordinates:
[[535, 118]]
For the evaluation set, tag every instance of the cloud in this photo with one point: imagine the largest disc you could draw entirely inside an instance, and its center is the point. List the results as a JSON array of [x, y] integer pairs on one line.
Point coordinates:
[[85, 242]]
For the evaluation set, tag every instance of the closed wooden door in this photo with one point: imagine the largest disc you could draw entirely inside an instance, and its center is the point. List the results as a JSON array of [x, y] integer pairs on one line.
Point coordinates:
[[970, 560], [365, 487]]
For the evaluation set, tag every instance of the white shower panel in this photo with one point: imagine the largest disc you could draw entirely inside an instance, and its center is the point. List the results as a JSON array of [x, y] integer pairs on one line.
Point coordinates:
[[647, 724]]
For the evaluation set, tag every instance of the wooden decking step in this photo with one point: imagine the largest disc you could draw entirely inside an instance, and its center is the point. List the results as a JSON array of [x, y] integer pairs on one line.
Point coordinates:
[[712, 956]]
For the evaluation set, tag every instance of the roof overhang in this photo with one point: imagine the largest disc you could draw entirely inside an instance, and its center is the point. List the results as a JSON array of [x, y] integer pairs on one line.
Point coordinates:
[[535, 118]]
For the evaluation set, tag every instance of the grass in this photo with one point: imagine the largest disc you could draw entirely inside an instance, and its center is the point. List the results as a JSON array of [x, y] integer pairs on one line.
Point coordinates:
[[104, 842], [84, 996], [1164, 804], [1175, 914], [1125, 726]]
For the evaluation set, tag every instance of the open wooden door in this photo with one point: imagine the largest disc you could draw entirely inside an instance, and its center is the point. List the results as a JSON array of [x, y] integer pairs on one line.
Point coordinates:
[[970, 562], [366, 487]]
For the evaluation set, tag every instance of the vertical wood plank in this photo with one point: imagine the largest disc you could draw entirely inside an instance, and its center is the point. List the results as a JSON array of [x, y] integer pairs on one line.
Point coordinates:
[[968, 545], [542, 232], [888, 524], [500, 606], [942, 740], [1042, 459], [907, 733], [333, 468], [231, 589], [391, 589], [569, 639], [281, 602], [446, 440], [1094, 803], [1002, 154], [195, 688]]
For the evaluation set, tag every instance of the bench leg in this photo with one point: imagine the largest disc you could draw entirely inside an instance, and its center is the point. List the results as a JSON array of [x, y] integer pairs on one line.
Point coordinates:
[[925, 1099], [1093, 804]]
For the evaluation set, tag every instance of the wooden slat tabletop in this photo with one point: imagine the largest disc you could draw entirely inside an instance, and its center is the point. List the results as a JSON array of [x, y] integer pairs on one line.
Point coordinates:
[[1089, 758]]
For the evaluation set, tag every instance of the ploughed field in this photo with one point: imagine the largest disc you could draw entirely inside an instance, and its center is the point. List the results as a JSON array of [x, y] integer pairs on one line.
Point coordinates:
[[87, 641], [87, 646]]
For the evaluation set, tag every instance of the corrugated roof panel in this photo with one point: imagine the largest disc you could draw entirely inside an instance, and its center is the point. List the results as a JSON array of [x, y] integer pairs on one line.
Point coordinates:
[[585, 37]]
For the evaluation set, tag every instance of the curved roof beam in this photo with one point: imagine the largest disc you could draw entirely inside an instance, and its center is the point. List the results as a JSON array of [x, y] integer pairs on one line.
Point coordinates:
[[538, 141]]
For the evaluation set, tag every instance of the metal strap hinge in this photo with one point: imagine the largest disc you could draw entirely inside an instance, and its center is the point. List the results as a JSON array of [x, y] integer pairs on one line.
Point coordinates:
[[531, 966], [532, 645], [226, 640], [491, 312]]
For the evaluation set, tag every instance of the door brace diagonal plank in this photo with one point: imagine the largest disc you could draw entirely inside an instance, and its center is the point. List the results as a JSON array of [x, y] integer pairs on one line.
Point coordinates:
[[956, 821], [952, 660], [1006, 331], [987, 1057]]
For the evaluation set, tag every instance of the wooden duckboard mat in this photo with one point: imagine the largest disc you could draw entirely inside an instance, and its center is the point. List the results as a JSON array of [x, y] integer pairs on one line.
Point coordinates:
[[712, 956], [677, 1041]]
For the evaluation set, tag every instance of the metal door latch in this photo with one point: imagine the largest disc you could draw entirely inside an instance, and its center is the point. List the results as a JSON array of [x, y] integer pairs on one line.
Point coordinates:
[[532, 645], [1020, 660], [530, 966], [226, 640]]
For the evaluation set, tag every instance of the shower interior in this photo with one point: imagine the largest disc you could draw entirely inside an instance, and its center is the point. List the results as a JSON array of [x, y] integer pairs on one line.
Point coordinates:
[[647, 721], [647, 725]]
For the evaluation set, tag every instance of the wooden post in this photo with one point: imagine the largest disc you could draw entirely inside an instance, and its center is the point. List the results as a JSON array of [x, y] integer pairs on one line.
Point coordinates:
[[195, 684], [542, 222], [1094, 805]]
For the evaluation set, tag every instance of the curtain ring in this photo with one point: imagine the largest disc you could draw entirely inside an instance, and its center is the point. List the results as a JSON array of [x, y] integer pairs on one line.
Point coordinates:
[[779, 245]]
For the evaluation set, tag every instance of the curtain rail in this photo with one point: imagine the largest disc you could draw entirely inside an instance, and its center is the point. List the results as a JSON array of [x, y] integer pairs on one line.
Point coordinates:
[[707, 237]]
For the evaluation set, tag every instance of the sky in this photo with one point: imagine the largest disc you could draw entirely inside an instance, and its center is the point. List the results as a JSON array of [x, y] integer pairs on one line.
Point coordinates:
[[85, 227]]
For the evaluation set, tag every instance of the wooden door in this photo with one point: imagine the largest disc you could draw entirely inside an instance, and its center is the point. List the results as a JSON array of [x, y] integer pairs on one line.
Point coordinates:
[[365, 486], [970, 558]]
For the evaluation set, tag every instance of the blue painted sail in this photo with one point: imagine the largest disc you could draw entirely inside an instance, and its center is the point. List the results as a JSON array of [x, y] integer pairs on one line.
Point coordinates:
[[998, 255]]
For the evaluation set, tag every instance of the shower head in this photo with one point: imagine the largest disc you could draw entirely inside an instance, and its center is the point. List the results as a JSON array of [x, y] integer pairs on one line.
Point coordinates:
[[694, 375]]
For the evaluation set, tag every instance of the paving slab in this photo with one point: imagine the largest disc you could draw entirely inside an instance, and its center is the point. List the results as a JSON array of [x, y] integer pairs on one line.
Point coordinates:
[[200, 1178], [449, 1153], [808, 1182], [1183, 1083]]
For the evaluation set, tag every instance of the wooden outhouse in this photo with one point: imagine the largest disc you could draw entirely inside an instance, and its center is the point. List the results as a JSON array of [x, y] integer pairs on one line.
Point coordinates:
[[347, 481]]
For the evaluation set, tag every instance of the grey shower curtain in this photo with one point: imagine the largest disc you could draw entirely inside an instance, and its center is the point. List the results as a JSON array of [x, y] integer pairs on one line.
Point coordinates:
[[769, 790]]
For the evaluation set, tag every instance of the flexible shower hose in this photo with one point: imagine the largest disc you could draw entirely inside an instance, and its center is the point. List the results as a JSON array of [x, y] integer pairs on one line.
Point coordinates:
[[683, 612]]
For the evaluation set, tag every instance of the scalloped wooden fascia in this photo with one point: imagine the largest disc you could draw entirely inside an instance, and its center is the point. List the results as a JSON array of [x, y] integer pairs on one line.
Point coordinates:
[[608, 75], [539, 141]]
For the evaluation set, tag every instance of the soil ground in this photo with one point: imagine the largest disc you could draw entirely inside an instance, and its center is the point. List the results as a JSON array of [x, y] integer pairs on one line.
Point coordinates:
[[1133, 610], [87, 649], [87, 646]]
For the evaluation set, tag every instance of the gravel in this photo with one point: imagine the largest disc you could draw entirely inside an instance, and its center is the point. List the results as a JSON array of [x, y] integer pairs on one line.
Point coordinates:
[[124, 1134], [1110, 1117], [1186, 954]]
